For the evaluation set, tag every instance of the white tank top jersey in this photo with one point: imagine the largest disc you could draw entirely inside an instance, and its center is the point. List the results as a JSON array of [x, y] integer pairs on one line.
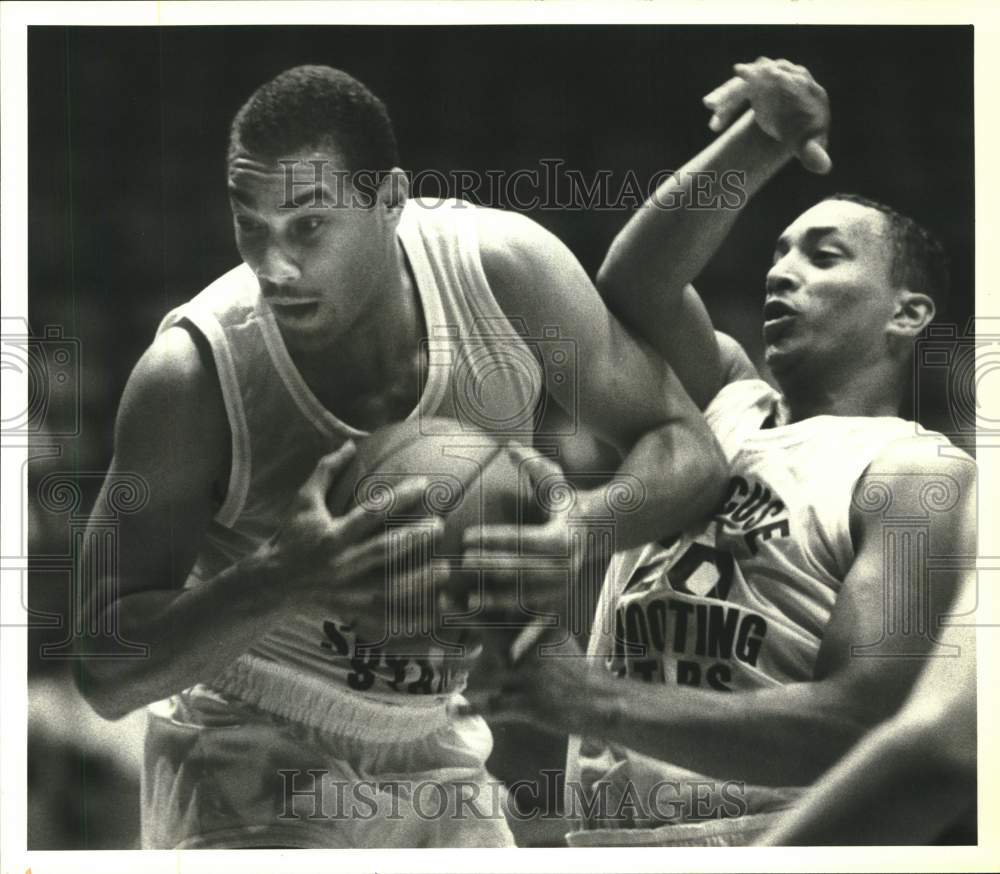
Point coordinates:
[[740, 604], [308, 669]]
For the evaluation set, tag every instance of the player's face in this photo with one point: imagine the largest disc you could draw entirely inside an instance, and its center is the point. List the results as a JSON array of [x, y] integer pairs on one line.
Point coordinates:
[[319, 250], [829, 297]]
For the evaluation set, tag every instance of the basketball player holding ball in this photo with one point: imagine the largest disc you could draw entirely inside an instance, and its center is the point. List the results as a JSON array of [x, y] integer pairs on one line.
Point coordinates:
[[355, 307], [733, 666]]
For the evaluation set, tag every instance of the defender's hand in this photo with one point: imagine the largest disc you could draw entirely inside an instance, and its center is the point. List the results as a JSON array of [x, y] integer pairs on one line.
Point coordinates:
[[788, 104], [545, 687]]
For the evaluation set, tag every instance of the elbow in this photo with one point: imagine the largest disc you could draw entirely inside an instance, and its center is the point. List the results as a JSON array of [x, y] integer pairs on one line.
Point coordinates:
[[710, 475], [102, 701], [611, 283], [104, 692], [921, 728], [605, 276], [842, 721], [700, 474]]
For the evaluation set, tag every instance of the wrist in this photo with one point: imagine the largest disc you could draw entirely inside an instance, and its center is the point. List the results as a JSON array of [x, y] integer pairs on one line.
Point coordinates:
[[765, 154], [602, 707], [262, 578]]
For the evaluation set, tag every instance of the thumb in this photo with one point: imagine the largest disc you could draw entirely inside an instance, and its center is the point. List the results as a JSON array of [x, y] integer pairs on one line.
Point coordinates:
[[814, 157], [498, 707], [468, 657], [537, 465], [726, 103], [329, 467]]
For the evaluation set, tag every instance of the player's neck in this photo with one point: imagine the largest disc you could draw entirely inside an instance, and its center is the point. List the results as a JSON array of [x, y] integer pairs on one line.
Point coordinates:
[[373, 373], [870, 392]]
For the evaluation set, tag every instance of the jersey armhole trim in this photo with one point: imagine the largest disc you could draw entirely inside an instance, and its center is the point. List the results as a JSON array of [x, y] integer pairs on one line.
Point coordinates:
[[439, 338], [470, 258], [239, 466]]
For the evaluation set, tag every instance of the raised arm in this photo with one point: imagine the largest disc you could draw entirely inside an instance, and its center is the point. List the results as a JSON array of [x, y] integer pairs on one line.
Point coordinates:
[[625, 393], [785, 735], [172, 432], [647, 274]]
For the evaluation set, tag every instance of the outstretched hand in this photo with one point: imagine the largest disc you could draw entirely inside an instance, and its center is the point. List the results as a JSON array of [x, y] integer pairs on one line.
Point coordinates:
[[788, 104], [545, 687]]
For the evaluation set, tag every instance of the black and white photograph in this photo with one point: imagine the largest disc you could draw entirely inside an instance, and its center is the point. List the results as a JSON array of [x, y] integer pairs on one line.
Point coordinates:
[[562, 429]]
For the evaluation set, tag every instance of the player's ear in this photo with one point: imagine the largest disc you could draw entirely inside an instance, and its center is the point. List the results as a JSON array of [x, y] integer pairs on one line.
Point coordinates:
[[913, 312], [393, 190]]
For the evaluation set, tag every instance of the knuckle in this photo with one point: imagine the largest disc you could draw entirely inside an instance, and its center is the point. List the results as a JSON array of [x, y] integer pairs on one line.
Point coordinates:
[[330, 460]]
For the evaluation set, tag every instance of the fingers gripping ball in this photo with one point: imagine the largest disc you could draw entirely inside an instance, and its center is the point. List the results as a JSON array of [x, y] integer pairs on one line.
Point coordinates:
[[471, 481]]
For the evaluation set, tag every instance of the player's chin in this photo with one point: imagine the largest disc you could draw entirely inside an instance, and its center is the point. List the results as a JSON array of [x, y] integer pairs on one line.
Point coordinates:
[[782, 357]]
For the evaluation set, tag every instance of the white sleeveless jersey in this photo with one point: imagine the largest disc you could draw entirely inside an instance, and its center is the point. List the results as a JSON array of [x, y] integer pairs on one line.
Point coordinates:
[[310, 669], [740, 604]]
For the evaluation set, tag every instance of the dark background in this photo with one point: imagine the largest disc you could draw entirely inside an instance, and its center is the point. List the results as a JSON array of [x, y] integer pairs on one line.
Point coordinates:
[[128, 214]]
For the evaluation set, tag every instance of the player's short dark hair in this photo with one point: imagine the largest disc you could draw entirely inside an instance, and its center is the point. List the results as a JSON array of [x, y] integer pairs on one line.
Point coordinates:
[[316, 107], [919, 261]]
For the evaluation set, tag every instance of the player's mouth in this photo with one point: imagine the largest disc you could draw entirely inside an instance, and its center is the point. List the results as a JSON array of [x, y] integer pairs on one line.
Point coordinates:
[[292, 311], [778, 319]]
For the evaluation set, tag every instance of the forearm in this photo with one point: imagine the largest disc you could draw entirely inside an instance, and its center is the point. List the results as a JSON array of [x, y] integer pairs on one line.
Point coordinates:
[[191, 636], [786, 736], [894, 787], [673, 477], [671, 238]]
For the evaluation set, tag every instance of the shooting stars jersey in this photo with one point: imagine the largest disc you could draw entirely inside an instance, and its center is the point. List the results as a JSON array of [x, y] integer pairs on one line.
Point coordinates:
[[738, 605], [309, 685]]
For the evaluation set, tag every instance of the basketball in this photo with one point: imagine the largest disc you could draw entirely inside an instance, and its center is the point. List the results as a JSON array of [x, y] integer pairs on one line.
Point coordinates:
[[473, 481]]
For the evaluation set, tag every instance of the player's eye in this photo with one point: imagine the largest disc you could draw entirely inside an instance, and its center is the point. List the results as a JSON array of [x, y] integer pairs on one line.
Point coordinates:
[[308, 225], [247, 225], [825, 256]]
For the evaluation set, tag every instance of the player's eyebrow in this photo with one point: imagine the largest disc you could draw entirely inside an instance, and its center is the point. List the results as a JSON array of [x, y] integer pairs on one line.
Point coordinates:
[[241, 197], [809, 237], [318, 196]]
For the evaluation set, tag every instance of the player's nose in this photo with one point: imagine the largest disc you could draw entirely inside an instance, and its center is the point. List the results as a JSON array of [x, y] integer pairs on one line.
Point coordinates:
[[277, 268], [780, 280]]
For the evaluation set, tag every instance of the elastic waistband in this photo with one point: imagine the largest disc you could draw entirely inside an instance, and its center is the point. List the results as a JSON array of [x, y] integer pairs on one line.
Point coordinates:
[[313, 701], [729, 832]]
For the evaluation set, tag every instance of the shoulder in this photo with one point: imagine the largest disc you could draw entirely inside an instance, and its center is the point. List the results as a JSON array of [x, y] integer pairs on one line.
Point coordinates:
[[919, 477], [513, 246], [735, 363], [921, 457], [535, 277], [236, 287], [745, 395], [177, 365], [173, 403]]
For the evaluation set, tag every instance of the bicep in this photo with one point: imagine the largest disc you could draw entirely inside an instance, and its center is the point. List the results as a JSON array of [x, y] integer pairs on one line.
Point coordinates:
[[622, 387], [886, 622], [684, 336], [169, 438]]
